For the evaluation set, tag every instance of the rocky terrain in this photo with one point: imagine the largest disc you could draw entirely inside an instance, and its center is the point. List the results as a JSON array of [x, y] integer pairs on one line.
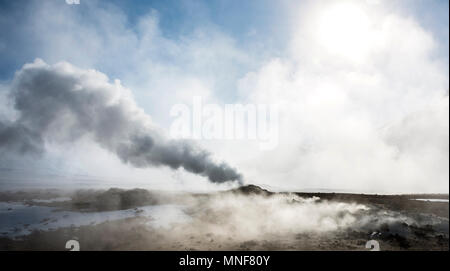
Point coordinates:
[[246, 218]]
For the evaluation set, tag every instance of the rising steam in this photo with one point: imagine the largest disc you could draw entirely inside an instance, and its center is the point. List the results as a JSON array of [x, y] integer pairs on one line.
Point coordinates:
[[61, 103]]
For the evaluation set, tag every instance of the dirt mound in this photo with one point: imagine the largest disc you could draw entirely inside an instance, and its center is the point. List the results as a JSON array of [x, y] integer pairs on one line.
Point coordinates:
[[113, 199], [252, 189]]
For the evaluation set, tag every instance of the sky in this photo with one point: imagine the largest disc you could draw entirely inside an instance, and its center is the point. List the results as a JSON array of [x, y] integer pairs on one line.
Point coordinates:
[[361, 87]]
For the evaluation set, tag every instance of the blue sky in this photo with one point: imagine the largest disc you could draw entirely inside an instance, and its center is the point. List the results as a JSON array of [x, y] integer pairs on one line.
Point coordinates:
[[245, 21], [255, 20]]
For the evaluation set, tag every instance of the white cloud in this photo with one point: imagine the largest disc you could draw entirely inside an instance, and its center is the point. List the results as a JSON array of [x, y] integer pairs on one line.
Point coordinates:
[[337, 100]]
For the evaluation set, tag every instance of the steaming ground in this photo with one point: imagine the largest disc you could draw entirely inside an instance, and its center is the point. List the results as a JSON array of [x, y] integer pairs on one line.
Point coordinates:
[[248, 218]]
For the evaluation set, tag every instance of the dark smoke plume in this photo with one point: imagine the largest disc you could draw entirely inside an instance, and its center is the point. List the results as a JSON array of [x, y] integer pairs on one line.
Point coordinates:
[[61, 103]]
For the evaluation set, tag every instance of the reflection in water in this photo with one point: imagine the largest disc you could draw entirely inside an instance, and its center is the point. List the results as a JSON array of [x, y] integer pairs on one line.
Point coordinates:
[[17, 219]]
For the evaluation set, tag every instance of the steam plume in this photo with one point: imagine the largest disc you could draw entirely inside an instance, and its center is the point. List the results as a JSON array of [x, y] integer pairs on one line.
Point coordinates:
[[61, 103]]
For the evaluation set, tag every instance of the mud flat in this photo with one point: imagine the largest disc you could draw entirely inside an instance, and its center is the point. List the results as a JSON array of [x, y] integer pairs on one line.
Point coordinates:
[[247, 218]]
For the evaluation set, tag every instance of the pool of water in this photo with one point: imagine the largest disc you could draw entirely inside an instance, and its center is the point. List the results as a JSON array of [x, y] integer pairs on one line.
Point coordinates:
[[433, 200], [17, 219]]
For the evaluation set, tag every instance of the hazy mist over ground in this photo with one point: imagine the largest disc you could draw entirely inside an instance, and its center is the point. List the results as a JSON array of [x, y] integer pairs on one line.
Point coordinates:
[[362, 89], [247, 218]]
